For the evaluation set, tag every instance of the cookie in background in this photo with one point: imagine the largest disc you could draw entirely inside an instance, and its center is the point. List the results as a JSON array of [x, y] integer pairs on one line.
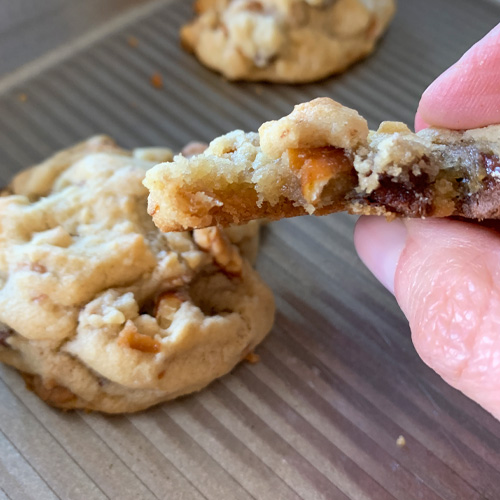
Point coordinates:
[[288, 41]]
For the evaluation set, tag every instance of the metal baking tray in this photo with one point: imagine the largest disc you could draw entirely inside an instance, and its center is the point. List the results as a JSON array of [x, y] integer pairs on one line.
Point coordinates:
[[318, 417]]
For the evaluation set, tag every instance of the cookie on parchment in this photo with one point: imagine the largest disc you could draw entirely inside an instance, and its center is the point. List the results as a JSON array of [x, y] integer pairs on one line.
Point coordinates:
[[100, 310], [291, 41]]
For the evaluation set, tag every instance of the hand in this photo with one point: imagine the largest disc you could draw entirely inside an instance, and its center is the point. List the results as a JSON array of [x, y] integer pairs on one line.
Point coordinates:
[[446, 274]]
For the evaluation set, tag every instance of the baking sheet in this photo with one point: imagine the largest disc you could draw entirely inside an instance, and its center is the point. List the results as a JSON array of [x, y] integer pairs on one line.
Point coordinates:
[[31, 28], [338, 379]]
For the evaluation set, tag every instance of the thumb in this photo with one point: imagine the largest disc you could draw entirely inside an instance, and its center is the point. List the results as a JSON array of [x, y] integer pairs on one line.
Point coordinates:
[[446, 278]]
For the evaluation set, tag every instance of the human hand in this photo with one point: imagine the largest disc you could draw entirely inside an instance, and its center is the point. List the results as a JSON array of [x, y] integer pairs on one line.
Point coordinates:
[[445, 274]]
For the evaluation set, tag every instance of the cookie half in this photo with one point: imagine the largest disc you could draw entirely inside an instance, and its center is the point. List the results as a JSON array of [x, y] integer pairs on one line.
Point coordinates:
[[102, 311], [292, 41], [321, 159]]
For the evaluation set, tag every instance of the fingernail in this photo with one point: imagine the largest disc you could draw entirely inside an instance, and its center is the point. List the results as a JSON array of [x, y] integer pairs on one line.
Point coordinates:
[[379, 244]]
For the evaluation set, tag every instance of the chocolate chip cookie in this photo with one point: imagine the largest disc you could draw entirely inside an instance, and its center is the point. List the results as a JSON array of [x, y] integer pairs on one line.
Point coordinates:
[[100, 310], [321, 159], [293, 41]]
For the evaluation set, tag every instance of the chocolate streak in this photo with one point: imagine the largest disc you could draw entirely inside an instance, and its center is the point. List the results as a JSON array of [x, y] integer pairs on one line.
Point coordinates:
[[476, 192], [412, 199]]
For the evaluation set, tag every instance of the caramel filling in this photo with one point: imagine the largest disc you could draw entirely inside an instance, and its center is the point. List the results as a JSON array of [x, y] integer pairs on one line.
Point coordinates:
[[326, 174]]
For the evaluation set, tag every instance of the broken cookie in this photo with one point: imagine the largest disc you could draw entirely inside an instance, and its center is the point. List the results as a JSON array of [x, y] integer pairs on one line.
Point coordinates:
[[322, 159]]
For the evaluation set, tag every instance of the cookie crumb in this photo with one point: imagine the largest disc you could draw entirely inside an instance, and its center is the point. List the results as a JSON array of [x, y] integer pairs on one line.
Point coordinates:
[[401, 441], [132, 41], [252, 358], [157, 81], [22, 97]]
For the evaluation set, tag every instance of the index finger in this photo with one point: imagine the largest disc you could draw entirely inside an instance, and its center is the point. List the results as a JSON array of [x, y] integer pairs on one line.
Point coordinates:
[[467, 95]]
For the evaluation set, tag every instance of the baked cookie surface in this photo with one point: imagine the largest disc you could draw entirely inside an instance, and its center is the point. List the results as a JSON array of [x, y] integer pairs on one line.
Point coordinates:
[[292, 41], [102, 311], [321, 159]]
